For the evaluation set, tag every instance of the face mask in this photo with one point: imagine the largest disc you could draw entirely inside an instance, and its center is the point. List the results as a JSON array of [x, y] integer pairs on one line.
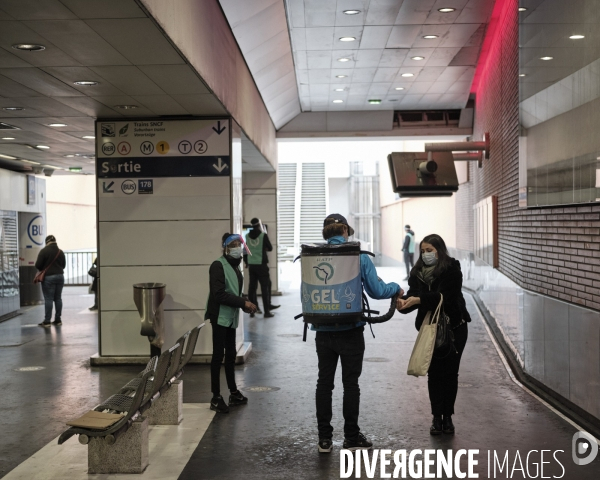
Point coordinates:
[[235, 252], [429, 258]]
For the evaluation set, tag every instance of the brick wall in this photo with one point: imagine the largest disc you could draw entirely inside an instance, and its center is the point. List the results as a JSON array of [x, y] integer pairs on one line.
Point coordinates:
[[553, 251]]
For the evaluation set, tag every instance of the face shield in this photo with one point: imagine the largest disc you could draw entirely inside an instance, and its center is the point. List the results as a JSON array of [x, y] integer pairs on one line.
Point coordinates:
[[236, 238], [258, 225]]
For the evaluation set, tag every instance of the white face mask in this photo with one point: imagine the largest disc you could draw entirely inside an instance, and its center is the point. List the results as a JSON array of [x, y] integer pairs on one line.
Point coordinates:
[[429, 258], [235, 252]]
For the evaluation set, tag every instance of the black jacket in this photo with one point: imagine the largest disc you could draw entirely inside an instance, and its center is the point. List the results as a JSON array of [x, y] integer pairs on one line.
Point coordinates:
[[218, 295], [267, 247], [449, 284], [45, 257]]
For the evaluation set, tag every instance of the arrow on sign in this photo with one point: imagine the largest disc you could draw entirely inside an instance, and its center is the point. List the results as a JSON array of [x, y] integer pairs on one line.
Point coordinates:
[[221, 166], [106, 188], [219, 130]]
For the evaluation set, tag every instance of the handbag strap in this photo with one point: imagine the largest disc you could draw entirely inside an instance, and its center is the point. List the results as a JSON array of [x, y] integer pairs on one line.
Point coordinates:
[[436, 315], [52, 262]]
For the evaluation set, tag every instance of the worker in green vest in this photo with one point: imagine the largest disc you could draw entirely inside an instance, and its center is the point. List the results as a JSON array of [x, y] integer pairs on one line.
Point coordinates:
[[258, 265], [222, 309]]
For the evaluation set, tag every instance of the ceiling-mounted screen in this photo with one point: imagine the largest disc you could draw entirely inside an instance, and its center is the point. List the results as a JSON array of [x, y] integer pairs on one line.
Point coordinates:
[[415, 175]]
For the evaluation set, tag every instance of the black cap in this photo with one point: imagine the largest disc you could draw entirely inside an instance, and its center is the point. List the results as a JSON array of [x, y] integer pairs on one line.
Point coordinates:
[[255, 221], [50, 239], [407, 226], [337, 218]]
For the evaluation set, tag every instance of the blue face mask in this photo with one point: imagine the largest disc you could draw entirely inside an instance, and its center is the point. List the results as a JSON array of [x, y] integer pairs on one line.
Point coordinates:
[[236, 252], [429, 258]]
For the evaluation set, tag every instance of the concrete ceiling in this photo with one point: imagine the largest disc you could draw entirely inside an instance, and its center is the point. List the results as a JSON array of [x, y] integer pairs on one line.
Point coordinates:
[[112, 42], [388, 33]]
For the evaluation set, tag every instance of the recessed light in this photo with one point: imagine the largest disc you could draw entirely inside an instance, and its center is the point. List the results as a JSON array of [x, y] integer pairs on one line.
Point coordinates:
[[8, 138], [430, 36], [399, 88], [418, 58], [29, 47], [341, 76], [126, 107], [56, 124], [13, 109], [344, 59], [522, 74], [89, 137], [339, 90], [351, 12], [522, 9], [374, 101], [7, 157], [546, 58], [86, 83], [576, 37], [338, 101], [347, 39], [69, 156], [408, 74], [42, 147], [75, 169], [446, 10]]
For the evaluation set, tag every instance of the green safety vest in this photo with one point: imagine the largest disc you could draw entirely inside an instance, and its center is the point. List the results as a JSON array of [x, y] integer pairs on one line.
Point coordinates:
[[411, 246], [255, 245], [229, 316]]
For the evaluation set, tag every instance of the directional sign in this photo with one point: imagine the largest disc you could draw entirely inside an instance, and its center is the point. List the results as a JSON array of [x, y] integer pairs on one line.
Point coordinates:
[[220, 166], [219, 129], [106, 188]]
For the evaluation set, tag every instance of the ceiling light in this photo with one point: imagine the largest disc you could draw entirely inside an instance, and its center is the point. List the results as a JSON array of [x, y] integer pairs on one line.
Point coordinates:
[[347, 39], [86, 83], [341, 76], [56, 124], [339, 90], [13, 109], [430, 36], [446, 10], [408, 74], [546, 58], [42, 147], [418, 58], [338, 101], [69, 156], [351, 12], [522, 9], [343, 59], [126, 107], [29, 47], [75, 169], [8, 138], [576, 37], [399, 88], [374, 101], [30, 161], [7, 157], [522, 74], [89, 137]]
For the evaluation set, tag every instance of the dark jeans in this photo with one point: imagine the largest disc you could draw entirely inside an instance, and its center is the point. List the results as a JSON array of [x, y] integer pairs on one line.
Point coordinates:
[[349, 347], [260, 274], [409, 259], [52, 287], [223, 346], [443, 376]]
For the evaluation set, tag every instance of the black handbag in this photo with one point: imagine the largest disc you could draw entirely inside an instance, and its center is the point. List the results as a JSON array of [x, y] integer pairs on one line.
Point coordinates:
[[93, 271], [444, 338]]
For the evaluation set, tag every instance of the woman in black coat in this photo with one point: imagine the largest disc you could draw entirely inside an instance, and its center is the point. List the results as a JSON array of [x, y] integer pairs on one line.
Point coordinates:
[[437, 273]]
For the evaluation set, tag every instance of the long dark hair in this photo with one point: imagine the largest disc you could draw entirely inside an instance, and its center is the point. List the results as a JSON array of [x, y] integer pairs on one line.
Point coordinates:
[[444, 258]]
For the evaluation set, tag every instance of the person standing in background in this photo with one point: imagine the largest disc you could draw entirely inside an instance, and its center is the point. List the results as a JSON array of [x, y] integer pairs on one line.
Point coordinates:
[[409, 249], [93, 272], [52, 260], [258, 265]]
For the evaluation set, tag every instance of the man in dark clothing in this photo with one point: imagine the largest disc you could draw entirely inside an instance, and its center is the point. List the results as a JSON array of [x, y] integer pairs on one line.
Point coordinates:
[[222, 309], [409, 250], [52, 259], [258, 265]]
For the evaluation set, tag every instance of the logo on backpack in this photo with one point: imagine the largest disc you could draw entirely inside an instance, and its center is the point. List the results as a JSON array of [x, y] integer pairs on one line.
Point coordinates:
[[324, 271]]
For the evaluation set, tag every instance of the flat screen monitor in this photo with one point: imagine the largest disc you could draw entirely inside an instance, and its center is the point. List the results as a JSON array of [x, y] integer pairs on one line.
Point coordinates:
[[414, 174]]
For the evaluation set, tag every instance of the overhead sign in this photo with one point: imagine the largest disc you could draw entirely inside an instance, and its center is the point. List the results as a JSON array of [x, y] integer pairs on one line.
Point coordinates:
[[162, 148]]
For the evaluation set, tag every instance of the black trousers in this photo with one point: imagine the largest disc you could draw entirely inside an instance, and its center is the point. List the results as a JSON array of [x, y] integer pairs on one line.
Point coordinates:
[[260, 274], [223, 346], [443, 376], [349, 347], [409, 259]]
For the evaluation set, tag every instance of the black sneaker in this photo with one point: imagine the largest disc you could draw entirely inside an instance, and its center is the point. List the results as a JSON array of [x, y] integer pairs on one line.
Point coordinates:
[[268, 315], [218, 405], [57, 323], [359, 443], [251, 315], [237, 398], [44, 324], [258, 310], [273, 307], [436, 426], [325, 445], [93, 308], [447, 425]]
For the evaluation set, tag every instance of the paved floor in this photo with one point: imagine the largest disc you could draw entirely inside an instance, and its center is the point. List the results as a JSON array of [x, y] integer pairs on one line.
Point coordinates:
[[274, 436]]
